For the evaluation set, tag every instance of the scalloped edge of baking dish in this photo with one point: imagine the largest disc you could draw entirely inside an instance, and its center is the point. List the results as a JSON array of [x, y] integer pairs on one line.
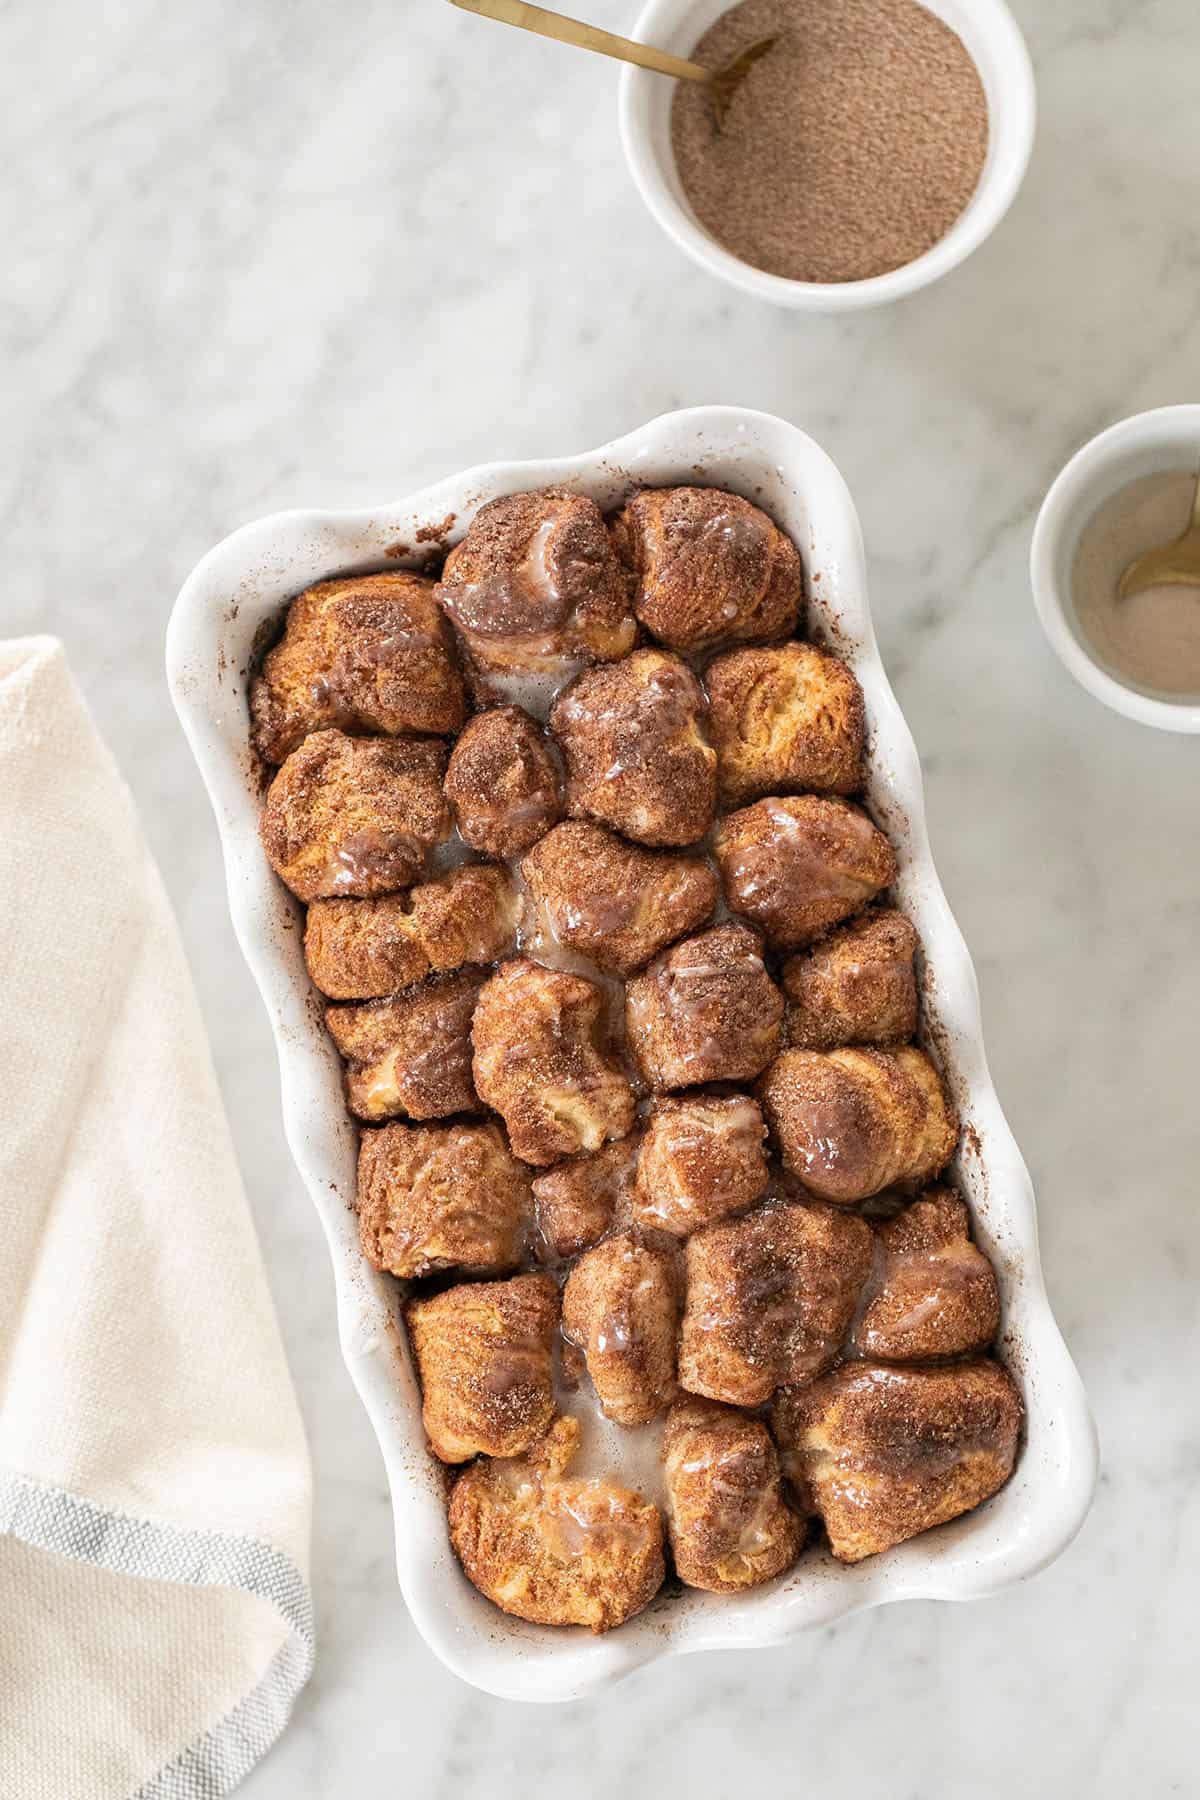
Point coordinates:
[[224, 607]]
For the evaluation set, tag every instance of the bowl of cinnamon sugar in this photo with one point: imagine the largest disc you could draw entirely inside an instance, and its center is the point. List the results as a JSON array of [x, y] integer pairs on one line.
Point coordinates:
[[867, 153]]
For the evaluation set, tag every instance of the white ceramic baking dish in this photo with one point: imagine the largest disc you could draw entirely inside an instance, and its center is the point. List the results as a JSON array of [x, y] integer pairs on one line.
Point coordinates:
[[236, 592]]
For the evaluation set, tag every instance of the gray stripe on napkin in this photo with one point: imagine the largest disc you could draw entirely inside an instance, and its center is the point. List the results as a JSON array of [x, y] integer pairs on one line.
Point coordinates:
[[50, 1518]]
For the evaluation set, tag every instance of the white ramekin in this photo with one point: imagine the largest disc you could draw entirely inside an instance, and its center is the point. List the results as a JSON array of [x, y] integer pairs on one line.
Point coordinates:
[[1149, 443], [235, 594], [992, 36]]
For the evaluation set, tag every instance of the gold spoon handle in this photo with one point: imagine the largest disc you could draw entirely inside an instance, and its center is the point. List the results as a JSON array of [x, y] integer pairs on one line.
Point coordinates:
[[584, 37]]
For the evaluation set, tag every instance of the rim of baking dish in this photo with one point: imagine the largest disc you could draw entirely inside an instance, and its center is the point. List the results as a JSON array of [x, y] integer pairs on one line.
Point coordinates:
[[211, 639]]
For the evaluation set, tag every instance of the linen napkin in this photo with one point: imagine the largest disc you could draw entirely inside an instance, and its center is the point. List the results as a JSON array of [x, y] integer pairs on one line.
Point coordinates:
[[155, 1619]]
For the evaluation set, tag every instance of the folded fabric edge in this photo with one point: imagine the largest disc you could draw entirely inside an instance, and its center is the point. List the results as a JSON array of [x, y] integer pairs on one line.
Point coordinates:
[[52, 1519]]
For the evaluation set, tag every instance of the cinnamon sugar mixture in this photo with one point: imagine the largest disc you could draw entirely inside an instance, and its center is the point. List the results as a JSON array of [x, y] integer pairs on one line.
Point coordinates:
[[848, 150]]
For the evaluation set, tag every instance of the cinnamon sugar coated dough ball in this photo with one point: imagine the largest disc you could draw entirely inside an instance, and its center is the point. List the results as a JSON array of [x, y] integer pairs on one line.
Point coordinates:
[[502, 782], [540, 1063], [703, 1159], [936, 1293], [884, 1453], [410, 1054], [770, 1299], [612, 901], [483, 1350], [797, 866], [705, 1010], [468, 916], [783, 720], [621, 1307], [850, 1123], [710, 568], [366, 653], [551, 1548], [434, 1197], [578, 1201], [857, 986], [637, 758], [535, 583], [729, 1525], [367, 949], [355, 816]]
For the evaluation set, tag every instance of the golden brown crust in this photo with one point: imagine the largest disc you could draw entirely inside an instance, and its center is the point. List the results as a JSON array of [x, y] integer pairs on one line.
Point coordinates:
[[857, 986], [621, 1307], [433, 1197], [883, 1453], [770, 1299], [729, 1524], [540, 1061], [637, 757], [709, 567], [705, 1010], [366, 653], [534, 583], [935, 1295], [796, 866], [502, 782], [850, 1123], [579, 1201], [703, 1159], [555, 1550], [410, 1056], [483, 1349], [355, 816], [612, 901], [785, 720], [367, 949]]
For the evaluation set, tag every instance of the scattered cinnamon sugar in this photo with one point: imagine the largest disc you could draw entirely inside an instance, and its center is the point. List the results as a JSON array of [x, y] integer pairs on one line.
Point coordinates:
[[848, 150]]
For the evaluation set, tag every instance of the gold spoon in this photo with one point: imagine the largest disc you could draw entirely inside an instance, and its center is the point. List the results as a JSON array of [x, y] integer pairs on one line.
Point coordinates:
[[1174, 565], [721, 83]]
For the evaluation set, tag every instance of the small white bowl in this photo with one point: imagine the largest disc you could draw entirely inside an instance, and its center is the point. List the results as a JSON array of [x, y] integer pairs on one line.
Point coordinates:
[[1149, 443], [994, 40]]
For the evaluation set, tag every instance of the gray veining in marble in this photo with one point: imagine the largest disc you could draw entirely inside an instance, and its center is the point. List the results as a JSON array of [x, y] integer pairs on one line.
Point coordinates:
[[275, 255]]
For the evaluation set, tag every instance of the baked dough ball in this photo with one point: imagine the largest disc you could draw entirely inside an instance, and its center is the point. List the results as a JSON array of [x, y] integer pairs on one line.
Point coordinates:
[[533, 586], [553, 1549], [540, 1064], [483, 1349], [579, 1201], [853, 1122], [410, 1055], [702, 1159], [615, 902], [366, 653], [709, 568], [704, 1011], [784, 720], [857, 986], [637, 758], [366, 949], [621, 1307], [770, 1299], [797, 866], [935, 1295], [884, 1453], [434, 1197], [502, 782], [729, 1525], [355, 816]]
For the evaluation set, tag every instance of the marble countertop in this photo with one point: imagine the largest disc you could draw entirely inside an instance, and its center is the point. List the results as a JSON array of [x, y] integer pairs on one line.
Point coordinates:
[[268, 256]]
